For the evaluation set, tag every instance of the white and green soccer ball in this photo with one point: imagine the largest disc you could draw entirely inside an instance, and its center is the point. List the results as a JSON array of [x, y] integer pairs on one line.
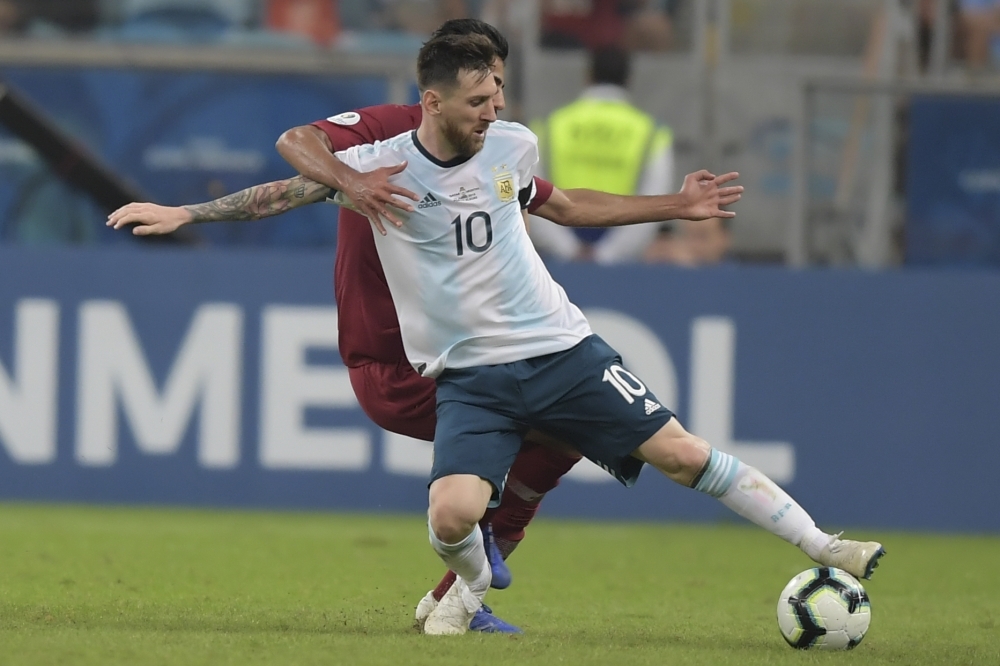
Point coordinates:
[[824, 608]]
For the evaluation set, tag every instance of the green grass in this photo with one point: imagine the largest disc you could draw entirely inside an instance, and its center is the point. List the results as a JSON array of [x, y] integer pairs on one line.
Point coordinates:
[[86, 585]]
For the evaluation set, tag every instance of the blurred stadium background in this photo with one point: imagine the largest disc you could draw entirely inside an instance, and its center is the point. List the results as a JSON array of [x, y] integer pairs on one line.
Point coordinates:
[[826, 108], [846, 344], [864, 131], [854, 319]]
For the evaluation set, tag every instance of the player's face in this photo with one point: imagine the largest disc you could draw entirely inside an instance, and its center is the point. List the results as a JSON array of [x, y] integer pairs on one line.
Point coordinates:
[[468, 112], [500, 76]]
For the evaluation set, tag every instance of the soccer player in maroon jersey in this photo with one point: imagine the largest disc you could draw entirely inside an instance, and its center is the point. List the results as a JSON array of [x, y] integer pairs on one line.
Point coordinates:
[[388, 389]]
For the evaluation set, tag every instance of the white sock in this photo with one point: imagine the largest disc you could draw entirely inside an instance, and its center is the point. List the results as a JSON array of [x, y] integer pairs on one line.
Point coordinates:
[[749, 493], [467, 558]]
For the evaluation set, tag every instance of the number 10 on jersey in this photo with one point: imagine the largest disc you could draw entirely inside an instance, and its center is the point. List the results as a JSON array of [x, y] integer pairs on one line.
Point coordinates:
[[470, 225], [624, 382]]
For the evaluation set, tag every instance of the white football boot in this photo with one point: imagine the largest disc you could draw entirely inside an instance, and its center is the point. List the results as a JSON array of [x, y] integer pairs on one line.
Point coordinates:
[[858, 558], [424, 609], [454, 612]]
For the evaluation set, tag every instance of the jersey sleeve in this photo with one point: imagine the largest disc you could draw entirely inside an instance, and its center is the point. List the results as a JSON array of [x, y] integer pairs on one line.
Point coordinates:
[[526, 194], [526, 164], [543, 190], [350, 156], [368, 125]]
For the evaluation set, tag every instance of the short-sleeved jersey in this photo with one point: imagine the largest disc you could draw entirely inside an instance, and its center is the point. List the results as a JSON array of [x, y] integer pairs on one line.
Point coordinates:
[[468, 286], [368, 326]]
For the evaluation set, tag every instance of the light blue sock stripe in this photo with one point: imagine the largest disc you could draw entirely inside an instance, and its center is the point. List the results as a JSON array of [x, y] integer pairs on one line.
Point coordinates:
[[727, 482], [719, 474], [706, 478], [715, 489], [716, 473], [720, 465]]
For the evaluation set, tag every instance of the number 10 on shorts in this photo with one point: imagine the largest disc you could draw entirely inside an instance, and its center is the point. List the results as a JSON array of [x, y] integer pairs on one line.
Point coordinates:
[[624, 382]]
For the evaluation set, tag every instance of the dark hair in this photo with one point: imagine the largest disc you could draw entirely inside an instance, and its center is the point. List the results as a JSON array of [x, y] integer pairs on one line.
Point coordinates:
[[610, 65], [470, 26], [442, 58]]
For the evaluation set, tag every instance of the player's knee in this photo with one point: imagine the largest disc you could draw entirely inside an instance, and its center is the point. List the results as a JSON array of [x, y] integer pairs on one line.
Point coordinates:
[[692, 453], [450, 523], [679, 456], [453, 514]]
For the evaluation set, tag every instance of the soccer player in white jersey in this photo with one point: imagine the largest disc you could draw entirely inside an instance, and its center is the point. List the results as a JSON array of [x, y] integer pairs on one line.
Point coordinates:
[[479, 312]]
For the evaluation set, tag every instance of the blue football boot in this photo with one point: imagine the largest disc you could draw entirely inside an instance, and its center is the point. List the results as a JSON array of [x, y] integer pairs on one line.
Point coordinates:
[[501, 573], [485, 621]]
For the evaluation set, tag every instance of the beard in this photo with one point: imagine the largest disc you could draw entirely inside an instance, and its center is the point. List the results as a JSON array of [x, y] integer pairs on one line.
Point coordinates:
[[465, 144]]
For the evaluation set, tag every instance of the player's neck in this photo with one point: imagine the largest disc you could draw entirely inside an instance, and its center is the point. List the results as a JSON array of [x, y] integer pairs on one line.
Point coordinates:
[[434, 142]]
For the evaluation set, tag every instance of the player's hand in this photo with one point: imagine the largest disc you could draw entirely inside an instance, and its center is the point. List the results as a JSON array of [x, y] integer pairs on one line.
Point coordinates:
[[149, 219], [707, 194], [373, 195]]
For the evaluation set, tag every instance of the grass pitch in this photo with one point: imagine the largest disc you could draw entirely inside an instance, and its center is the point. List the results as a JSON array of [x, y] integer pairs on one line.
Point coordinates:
[[87, 585]]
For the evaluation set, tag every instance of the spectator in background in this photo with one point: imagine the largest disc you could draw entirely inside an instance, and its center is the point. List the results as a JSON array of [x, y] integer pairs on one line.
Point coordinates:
[[707, 242], [595, 24], [980, 21], [11, 20], [927, 11], [418, 17], [666, 247], [691, 243], [602, 142], [317, 20]]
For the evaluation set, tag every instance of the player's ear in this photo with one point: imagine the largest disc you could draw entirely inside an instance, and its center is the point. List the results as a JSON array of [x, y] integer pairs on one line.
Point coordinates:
[[431, 101]]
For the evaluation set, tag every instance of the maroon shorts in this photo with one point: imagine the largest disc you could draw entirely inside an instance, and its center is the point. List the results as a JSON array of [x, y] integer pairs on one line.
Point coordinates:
[[396, 398]]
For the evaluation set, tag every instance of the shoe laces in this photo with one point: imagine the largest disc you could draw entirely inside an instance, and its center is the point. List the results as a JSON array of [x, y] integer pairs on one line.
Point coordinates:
[[835, 542]]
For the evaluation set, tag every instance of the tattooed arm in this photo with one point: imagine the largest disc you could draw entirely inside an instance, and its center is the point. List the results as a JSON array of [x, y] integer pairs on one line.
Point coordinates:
[[252, 203]]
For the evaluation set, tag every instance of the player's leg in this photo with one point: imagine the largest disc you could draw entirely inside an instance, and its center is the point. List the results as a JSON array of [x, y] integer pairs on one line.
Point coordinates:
[[457, 502], [502, 576], [399, 400], [613, 418], [747, 491], [536, 470], [539, 465], [474, 447]]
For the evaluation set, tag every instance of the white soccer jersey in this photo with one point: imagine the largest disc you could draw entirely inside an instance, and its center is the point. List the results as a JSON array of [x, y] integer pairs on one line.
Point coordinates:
[[468, 286]]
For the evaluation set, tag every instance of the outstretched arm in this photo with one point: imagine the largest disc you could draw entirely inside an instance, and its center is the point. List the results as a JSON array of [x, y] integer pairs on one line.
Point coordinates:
[[252, 203], [310, 152], [701, 197]]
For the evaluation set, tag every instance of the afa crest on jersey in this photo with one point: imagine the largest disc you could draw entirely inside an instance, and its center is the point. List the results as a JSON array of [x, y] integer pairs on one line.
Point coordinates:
[[505, 187]]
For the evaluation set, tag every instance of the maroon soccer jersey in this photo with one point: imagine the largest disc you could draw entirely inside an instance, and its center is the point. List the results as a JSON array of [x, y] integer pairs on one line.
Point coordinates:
[[368, 326]]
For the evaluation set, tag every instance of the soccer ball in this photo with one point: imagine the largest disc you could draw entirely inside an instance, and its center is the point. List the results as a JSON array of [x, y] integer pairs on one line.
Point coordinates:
[[824, 608]]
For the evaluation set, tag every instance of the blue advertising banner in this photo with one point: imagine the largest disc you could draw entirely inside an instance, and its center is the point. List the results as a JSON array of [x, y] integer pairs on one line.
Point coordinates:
[[212, 378], [953, 181], [182, 137]]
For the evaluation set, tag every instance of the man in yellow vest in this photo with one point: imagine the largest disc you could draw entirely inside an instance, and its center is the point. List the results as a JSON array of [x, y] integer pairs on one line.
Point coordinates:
[[603, 142]]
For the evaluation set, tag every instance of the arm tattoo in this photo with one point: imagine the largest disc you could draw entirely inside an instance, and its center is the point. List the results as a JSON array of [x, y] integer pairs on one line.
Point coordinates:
[[260, 201]]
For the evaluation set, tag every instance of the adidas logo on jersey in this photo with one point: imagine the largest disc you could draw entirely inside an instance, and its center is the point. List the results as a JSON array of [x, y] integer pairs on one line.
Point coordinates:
[[428, 201], [652, 406]]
